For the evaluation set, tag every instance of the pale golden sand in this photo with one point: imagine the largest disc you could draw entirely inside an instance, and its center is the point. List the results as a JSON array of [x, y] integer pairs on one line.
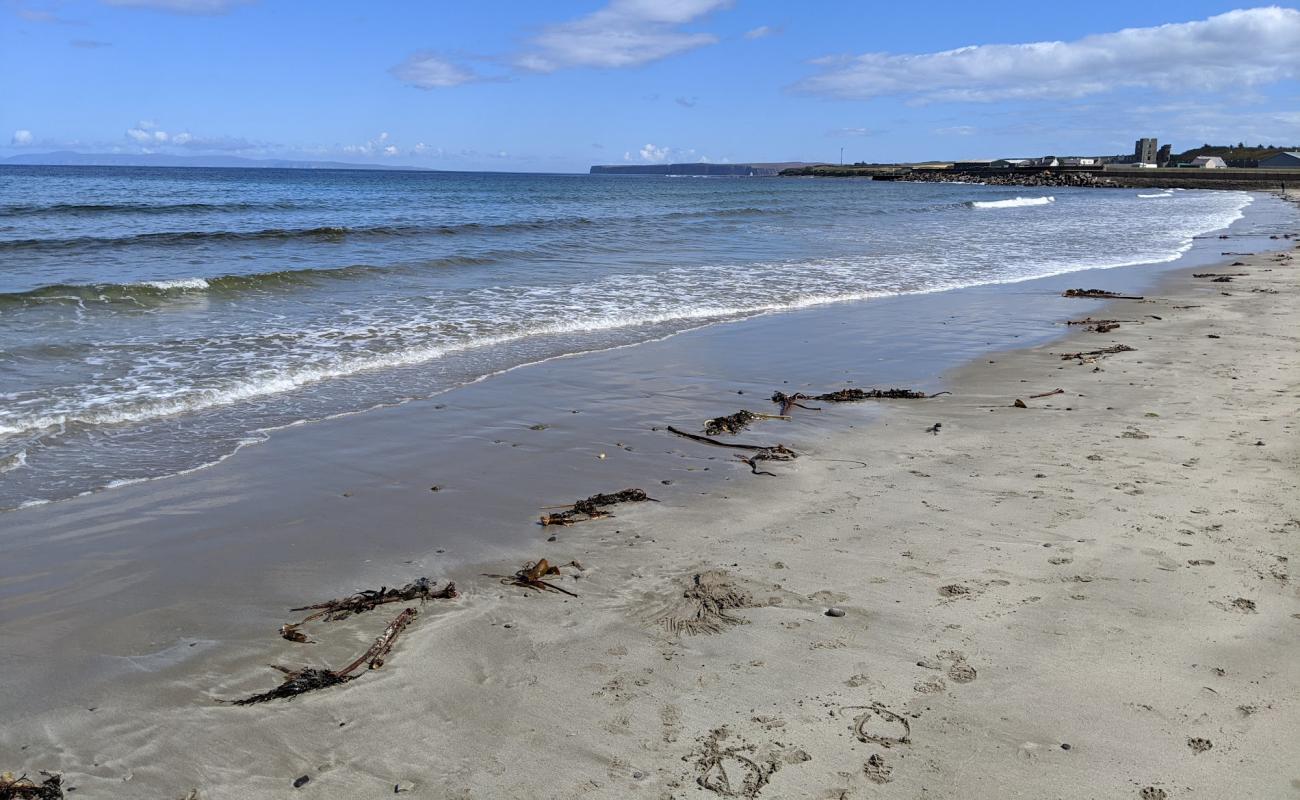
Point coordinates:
[[1088, 597]]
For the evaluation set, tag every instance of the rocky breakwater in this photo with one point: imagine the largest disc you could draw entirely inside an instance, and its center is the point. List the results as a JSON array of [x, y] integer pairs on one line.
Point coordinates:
[[1044, 178]]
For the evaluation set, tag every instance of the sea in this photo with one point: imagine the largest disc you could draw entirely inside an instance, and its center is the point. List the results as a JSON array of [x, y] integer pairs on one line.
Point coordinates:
[[153, 321]]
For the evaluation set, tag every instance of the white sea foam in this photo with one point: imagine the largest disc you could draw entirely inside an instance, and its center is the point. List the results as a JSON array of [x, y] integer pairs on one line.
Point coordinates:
[[13, 461], [180, 283], [1015, 202], [1161, 194]]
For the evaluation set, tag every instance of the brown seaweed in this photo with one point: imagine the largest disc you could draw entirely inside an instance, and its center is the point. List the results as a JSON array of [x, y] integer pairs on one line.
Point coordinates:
[[591, 507], [530, 577], [366, 600], [309, 679], [788, 401], [1099, 293], [735, 423], [24, 788], [1119, 348]]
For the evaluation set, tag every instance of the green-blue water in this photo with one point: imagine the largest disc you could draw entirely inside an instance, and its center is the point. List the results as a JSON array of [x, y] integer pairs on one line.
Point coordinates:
[[152, 320]]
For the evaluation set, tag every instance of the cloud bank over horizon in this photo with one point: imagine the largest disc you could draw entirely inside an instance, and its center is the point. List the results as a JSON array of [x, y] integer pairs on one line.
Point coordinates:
[[1242, 48]]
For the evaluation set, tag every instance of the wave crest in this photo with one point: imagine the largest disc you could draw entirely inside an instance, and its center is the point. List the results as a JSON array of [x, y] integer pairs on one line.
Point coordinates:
[[1015, 202]]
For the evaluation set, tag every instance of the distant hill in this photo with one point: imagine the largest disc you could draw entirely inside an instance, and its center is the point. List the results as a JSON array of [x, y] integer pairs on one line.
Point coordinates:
[[70, 159], [1235, 156], [695, 168]]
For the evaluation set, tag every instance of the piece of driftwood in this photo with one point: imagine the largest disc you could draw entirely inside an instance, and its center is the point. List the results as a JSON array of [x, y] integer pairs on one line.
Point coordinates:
[[591, 507], [737, 422], [309, 679], [934, 428], [789, 401], [1119, 348], [1220, 274], [23, 788], [1099, 293], [1222, 279], [1046, 394], [366, 600], [530, 577]]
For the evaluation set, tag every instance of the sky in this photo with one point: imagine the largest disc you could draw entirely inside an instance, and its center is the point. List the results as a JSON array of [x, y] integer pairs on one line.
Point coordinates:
[[557, 86]]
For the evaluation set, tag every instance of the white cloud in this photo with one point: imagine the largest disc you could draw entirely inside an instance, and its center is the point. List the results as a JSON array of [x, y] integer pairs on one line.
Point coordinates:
[[956, 130], [761, 32], [430, 71], [853, 132], [1238, 49], [146, 132], [654, 154], [380, 145], [21, 138], [182, 6], [625, 33]]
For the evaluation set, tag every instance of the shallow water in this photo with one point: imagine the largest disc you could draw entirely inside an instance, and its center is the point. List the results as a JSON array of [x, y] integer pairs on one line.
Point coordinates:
[[154, 320]]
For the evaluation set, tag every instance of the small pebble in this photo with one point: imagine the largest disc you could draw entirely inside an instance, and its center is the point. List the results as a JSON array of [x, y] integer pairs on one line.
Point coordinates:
[[551, 538], [1065, 745], [834, 612], [298, 783], [403, 786]]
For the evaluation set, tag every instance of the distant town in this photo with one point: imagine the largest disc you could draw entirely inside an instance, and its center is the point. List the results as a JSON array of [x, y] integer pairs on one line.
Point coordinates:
[[1150, 164]]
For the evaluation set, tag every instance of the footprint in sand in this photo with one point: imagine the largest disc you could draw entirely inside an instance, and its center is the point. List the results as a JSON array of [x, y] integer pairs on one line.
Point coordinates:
[[1199, 745], [1152, 793], [931, 685], [877, 770], [958, 670]]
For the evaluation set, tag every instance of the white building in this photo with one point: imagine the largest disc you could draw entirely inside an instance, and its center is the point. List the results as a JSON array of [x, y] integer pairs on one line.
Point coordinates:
[[1207, 162]]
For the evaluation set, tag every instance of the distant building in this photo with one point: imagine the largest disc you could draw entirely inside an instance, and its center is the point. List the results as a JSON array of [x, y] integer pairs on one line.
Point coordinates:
[[976, 164], [1165, 154], [1281, 161], [1075, 161], [1010, 163], [1144, 150], [1207, 162]]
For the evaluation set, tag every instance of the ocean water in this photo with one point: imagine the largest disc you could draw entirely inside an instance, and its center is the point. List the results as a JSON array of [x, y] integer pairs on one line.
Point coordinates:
[[152, 321]]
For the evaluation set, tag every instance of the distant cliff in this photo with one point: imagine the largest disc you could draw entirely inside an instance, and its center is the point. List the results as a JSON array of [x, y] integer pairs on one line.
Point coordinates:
[[745, 170]]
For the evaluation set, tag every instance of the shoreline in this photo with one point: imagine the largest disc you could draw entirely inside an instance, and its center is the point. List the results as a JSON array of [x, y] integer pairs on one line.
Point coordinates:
[[615, 586]]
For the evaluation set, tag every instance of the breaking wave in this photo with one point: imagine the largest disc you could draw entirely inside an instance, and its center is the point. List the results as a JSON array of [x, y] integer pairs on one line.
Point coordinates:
[[1015, 202]]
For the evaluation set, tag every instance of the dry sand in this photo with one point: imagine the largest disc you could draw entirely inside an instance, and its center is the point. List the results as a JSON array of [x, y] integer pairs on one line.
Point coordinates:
[[1090, 597]]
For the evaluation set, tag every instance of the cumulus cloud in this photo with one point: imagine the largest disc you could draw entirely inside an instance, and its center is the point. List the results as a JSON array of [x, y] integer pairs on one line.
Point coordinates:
[[381, 145], [21, 138], [1241, 48], [146, 132], [428, 70], [182, 6], [654, 154], [625, 33], [761, 32]]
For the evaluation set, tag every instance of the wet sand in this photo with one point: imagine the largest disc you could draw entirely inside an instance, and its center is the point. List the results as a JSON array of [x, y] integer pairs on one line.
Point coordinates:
[[1105, 569]]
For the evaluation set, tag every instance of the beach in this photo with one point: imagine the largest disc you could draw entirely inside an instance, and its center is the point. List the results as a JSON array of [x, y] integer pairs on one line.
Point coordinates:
[[1089, 596]]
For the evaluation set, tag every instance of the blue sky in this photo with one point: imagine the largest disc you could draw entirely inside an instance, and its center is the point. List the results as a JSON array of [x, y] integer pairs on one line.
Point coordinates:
[[557, 86]]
